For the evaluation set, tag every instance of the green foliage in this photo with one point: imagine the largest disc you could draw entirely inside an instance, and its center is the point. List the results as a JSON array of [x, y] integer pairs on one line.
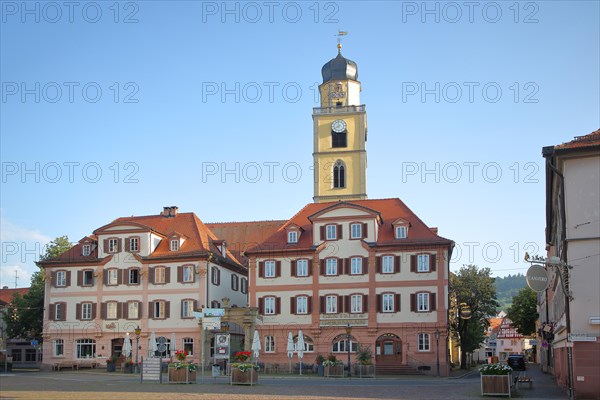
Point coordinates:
[[24, 317], [474, 288], [495, 369], [364, 355], [523, 312], [508, 287]]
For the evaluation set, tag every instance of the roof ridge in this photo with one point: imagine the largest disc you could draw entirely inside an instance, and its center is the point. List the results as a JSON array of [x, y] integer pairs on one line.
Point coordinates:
[[246, 222]]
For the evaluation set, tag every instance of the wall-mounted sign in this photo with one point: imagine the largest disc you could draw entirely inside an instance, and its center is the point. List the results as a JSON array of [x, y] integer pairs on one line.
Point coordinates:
[[213, 312], [211, 323], [537, 278]]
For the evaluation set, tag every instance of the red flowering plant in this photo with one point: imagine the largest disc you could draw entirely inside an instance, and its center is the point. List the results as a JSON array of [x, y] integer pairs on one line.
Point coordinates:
[[240, 361], [181, 355]]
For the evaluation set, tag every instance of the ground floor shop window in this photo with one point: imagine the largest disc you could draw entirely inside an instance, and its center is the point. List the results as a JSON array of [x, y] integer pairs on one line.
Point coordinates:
[[85, 348]]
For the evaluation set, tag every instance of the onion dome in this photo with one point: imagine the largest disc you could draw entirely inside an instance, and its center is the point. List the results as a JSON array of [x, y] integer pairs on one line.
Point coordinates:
[[339, 68]]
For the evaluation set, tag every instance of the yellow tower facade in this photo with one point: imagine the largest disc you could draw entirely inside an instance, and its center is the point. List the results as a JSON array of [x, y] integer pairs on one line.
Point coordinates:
[[340, 134]]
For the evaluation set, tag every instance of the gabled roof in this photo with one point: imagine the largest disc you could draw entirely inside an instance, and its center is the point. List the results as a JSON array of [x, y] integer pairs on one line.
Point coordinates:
[[581, 142], [388, 210], [6, 295]]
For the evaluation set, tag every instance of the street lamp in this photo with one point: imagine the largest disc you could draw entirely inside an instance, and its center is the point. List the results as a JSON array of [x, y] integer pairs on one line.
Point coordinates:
[[137, 332], [348, 335], [437, 350]]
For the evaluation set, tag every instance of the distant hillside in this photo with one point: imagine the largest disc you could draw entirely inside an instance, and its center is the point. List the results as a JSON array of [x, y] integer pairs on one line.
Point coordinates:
[[508, 287]]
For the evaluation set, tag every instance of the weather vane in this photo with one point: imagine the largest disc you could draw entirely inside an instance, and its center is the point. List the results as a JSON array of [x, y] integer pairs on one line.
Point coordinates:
[[339, 39]]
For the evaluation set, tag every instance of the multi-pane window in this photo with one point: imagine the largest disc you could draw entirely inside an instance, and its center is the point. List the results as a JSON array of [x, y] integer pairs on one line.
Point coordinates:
[[86, 311], [356, 265], [301, 305], [331, 232], [293, 237], [187, 308], [309, 345], [133, 310], [269, 269], [188, 345], [423, 263], [235, 282], [341, 346], [269, 344], [61, 278], [159, 275], [188, 273], [387, 264], [400, 232], [158, 309], [113, 245], [134, 276], [113, 277], [87, 249], [244, 286], [60, 312], [174, 245], [356, 231], [111, 310], [422, 301], [302, 268], [388, 302], [270, 305], [215, 276], [424, 342], [59, 347], [356, 303], [339, 175], [331, 266], [331, 303], [85, 348], [134, 244], [88, 277]]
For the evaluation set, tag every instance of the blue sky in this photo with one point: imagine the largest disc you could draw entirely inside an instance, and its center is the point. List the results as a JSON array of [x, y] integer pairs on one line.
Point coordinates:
[[121, 108]]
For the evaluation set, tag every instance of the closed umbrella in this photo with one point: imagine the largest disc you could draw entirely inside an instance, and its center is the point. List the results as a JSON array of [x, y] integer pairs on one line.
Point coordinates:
[[290, 349], [300, 348], [256, 345], [127, 346], [153, 345], [173, 345]]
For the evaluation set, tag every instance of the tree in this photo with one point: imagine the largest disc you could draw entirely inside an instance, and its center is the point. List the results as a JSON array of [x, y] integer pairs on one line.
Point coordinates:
[[25, 315], [523, 311], [473, 289]]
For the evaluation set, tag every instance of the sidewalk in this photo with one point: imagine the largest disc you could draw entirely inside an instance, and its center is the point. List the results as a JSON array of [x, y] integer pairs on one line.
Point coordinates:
[[544, 386]]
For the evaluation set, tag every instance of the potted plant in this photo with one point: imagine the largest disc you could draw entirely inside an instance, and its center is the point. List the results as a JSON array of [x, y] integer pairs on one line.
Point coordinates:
[[332, 367], [364, 366], [243, 372], [128, 366], [319, 361], [111, 364], [182, 371], [495, 379]]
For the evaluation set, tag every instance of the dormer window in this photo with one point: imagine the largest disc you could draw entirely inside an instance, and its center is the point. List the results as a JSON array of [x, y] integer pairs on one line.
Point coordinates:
[[174, 246], [292, 237], [401, 228], [87, 249], [113, 245], [401, 232]]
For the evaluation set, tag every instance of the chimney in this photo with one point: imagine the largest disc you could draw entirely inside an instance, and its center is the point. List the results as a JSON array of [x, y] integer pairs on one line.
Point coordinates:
[[4, 287], [174, 211], [434, 230], [169, 211]]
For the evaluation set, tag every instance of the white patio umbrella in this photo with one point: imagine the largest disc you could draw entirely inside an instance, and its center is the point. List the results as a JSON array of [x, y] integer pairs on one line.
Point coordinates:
[[153, 345], [127, 346], [290, 349], [173, 345], [256, 345], [300, 348]]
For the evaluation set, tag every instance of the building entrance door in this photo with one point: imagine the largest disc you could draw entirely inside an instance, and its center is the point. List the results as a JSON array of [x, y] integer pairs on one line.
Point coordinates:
[[388, 350]]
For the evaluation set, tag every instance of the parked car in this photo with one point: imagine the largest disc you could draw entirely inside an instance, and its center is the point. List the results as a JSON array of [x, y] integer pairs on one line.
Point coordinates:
[[516, 362]]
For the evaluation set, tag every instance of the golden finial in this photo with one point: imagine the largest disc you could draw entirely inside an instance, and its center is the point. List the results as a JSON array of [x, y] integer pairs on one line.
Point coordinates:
[[339, 40]]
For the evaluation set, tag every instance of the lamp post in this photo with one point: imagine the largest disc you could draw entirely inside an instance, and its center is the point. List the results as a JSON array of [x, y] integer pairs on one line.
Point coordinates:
[[348, 336], [437, 350], [137, 332]]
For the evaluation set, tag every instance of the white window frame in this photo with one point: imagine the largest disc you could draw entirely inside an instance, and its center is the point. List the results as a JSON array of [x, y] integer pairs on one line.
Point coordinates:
[[113, 245], [59, 347], [401, 232], [244, 285], [131, 274], [81, 344], [187, 308], [356, 303], [86, 311], [61, 278], [160, 275], [331, 232], [87, 249], [423, 302], [113, 277], [341, 346], [269, 344], [174, 245], [59, 312], [302, 305], [269, 305], [134, 244], [188, 345], [331, 304], [188, 273], [133, 310], [387, 300], [292, 237], [424, 342], [387, 264], [423, 263], [356, 231], [111, 310], [270, 269], [356, 266], [302, 267], [331, 266], [158, 309]]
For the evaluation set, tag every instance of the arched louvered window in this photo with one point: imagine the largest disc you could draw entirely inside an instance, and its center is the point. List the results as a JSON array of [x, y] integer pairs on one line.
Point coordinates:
[[339, 175]]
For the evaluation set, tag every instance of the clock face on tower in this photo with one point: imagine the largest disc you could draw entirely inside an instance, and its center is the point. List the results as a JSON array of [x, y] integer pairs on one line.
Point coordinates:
[[338, 126]]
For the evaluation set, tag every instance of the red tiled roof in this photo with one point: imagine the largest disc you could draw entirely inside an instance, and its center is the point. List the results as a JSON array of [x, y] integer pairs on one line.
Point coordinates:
[[582, 142], [7, 294], [389, 210]]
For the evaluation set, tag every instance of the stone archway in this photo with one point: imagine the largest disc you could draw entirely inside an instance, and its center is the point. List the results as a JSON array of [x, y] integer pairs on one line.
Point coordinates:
[[388, 349]]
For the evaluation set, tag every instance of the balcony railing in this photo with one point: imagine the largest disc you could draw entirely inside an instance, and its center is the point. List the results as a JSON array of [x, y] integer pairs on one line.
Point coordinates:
[[338, 109]]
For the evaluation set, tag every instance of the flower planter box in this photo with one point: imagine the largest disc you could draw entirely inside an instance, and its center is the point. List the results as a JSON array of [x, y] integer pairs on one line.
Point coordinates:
[[110, 367], [495, 385], [364, 371], [249, 377], [333, 371], [181, 375]]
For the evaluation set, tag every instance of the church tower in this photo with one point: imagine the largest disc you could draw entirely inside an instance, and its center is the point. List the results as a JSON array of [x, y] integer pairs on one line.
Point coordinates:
[[340, 134]]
